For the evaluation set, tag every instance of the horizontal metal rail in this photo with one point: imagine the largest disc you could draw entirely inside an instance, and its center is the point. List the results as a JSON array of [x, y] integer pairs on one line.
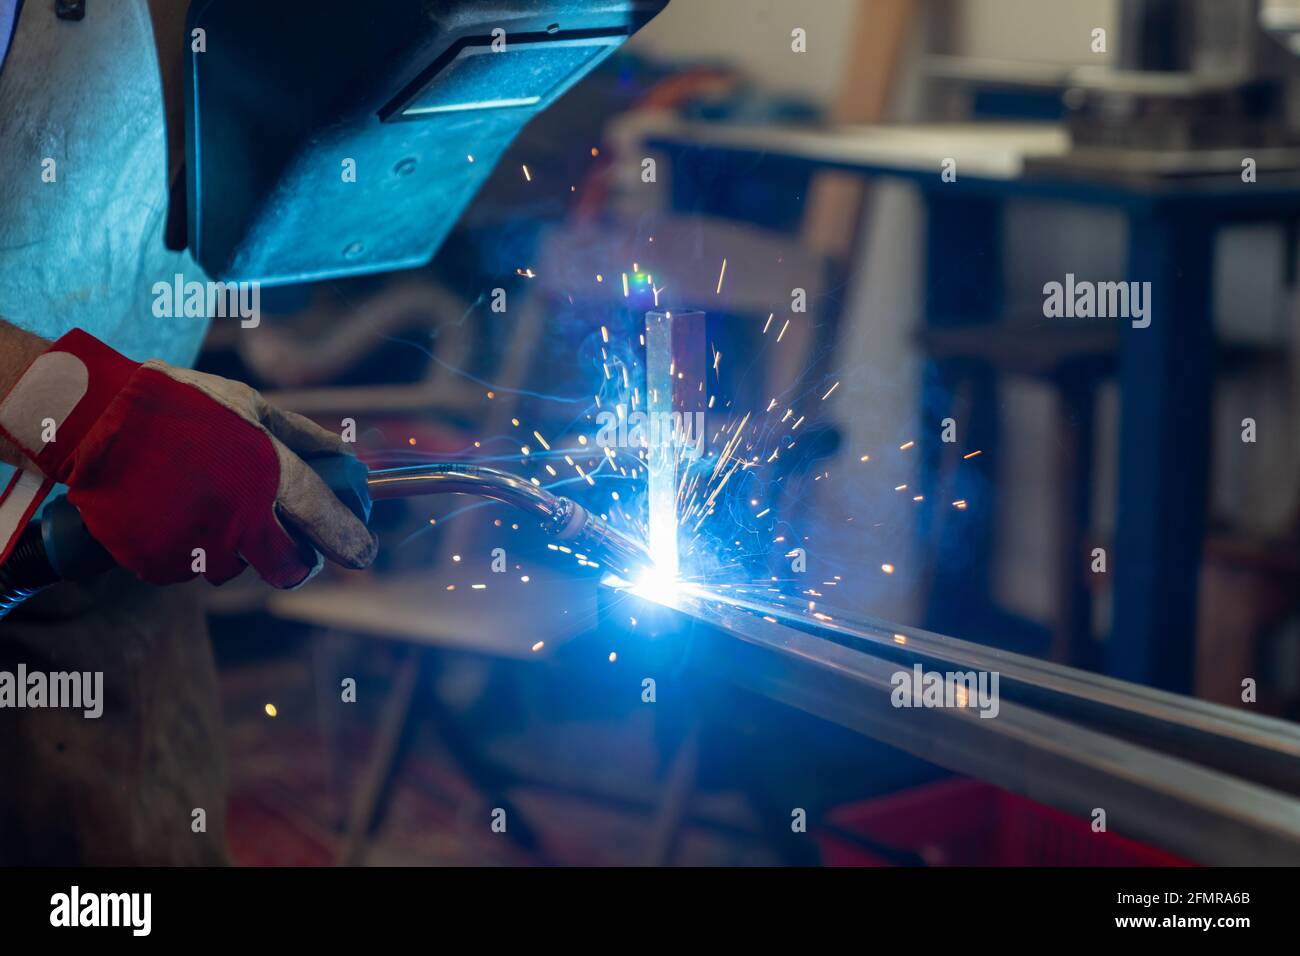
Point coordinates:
[[1157, 789], [1256, 747]]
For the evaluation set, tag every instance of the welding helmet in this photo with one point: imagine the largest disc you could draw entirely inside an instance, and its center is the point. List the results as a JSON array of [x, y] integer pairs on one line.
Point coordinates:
[[84, 177], [301, 139]]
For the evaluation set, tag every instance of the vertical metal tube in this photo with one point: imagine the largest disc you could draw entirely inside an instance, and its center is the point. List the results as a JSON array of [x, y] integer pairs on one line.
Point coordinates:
[[676, 397]]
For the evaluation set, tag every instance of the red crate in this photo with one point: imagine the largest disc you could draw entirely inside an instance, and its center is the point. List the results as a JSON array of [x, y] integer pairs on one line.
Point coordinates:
[[963, 822]]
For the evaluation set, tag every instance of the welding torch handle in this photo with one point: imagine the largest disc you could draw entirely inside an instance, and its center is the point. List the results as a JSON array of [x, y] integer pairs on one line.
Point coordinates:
[[58, 546]]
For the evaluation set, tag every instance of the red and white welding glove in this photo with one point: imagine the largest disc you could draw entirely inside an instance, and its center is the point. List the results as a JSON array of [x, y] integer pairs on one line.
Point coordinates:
[[161, 461]]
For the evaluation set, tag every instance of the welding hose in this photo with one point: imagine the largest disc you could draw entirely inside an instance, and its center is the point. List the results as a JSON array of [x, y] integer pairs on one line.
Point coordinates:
[[58, 546]]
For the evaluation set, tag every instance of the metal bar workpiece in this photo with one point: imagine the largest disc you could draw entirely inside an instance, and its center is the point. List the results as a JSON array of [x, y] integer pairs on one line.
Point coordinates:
[[1261, 749], [1190, 809]]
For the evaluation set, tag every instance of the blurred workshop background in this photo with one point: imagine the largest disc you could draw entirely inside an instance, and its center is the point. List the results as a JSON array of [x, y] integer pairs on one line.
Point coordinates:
[[1103, 139]]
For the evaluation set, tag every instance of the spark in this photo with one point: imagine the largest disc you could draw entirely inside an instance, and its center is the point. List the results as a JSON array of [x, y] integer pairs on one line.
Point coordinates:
[[613, 656], [527, 273], [524, 578], [538, 646], [781, 334], [540, 440], [721, 275], [527, 175], [455, 557], [831, 389], [906, 445], [887, 568], [479, 587], [978, 451], [271, 710]]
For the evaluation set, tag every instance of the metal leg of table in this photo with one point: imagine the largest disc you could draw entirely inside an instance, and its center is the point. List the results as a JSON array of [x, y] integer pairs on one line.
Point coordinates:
[[1166, 382], [963, 277]]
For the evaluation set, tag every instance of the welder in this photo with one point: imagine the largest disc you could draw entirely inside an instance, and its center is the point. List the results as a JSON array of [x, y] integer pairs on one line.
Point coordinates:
[[105, 137]]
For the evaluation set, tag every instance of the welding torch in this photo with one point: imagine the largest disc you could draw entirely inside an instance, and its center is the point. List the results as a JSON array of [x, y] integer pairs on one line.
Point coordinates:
[[57, 546]]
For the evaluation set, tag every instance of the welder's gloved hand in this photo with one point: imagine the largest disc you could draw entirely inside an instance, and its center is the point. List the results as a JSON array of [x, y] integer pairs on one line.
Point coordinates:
[[161, 461]]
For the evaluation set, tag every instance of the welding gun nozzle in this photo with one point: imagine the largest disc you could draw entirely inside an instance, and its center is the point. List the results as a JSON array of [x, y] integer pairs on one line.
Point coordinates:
[[615, 550], [561, 517]]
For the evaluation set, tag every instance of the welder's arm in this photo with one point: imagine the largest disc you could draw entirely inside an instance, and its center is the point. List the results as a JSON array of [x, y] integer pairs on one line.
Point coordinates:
[[175, 472]]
